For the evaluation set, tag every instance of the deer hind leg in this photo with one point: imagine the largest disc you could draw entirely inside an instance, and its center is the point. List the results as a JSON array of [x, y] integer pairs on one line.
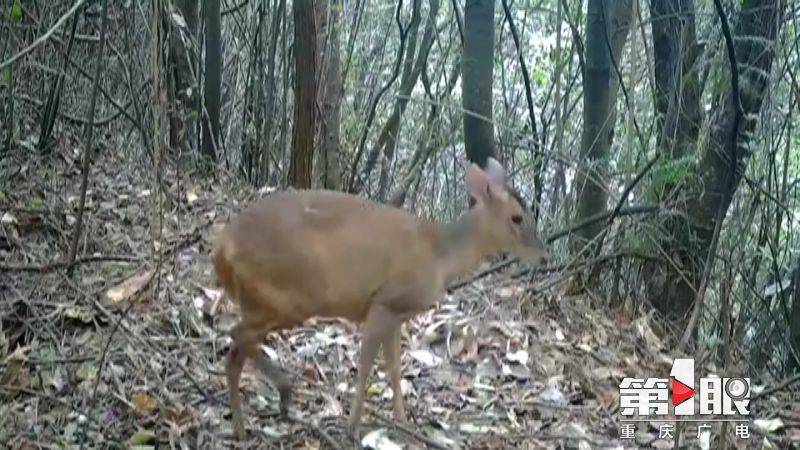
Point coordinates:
[[279, 379], [246, 341], [237, 356]]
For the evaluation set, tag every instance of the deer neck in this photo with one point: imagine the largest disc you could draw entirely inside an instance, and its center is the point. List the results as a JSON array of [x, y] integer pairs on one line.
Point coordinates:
[[460, 246]]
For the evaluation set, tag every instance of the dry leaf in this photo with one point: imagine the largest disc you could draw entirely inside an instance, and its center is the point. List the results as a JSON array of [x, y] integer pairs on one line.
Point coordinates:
[[143, 403], [425, 357], [16, 372], [8, 219], [191, 196], [379, 440], [129, 287]]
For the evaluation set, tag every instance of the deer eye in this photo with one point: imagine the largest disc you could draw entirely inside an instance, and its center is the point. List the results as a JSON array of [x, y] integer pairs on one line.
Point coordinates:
[[516, 218]]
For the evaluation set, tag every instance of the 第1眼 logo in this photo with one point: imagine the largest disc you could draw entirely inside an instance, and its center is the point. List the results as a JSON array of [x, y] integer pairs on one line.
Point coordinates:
[[713, 399]]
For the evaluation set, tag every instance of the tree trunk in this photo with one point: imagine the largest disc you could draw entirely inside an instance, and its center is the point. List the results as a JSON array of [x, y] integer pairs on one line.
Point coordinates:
[[476, 84], [271, 89], [304, 94], [50, 110], [181, 60], [606, 31], [328, 160], [213, 79], [794, 322], [411, 73], [675, 52], [710, 189]]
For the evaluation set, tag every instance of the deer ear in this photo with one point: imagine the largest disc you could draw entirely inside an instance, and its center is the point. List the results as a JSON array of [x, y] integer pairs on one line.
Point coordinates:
[[479, 184], [495, 171]]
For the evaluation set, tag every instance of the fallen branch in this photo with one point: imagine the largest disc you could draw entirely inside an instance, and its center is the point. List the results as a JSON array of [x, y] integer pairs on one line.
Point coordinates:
[[42, 268], [780, 386], [400, 427]]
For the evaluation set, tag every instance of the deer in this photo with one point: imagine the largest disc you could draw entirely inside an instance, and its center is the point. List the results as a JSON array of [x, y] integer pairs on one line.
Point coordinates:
[[301, 254]]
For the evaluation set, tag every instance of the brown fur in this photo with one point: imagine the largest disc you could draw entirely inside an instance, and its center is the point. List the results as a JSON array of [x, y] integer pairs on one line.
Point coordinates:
[[296, 255]]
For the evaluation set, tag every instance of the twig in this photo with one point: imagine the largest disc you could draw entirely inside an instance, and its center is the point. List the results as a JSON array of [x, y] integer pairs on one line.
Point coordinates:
[[608, 215], [564, 437], [41, 39], [61, 264], [88, 141], [496, 268], [537, 145], [100, 368], [54, 399], [629, 211], [420, 437], [374, 106], [780, 386], [146, 343]]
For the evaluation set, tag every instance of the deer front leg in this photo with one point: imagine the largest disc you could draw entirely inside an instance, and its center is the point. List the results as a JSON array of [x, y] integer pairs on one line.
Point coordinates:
[[378, 327]]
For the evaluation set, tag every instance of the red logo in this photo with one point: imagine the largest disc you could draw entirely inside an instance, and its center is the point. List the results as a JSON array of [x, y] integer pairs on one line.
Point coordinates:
[[680, 392]]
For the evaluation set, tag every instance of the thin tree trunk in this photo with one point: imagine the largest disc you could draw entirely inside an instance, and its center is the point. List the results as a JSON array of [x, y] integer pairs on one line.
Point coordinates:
[[88, 141], [329, 166], [271, 88], [794, 322], [477, 65], [212, 92], [54, 95], [305, 56], [426, 144], [606, 31], [354, 182], [392, 128], [675, 52], [182, 58], [537, 143]]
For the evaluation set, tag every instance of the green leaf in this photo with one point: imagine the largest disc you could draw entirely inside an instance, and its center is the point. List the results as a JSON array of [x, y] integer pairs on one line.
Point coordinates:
[[671, 172], [16, 11], [86, 372], [142, 438]]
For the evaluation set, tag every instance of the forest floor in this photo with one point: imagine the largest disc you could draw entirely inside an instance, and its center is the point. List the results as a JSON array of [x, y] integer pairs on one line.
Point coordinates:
[[129, 350]]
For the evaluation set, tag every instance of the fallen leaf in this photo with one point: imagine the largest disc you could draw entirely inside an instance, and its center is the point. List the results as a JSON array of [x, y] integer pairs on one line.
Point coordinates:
[[766, 444], [310, 372], [379, 440], [142, 437], [129, 287], [517, 371], [191, 196], [84, 315], [425, 357], [769, 425], [179, 419], [276, 431], [374, 389], [86, 372], [520, 356], [8, 219], [143, 403], [552, 395], [17, 372]]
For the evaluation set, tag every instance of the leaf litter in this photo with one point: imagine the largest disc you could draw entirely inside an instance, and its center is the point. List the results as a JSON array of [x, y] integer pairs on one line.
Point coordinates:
[[130, 351]]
